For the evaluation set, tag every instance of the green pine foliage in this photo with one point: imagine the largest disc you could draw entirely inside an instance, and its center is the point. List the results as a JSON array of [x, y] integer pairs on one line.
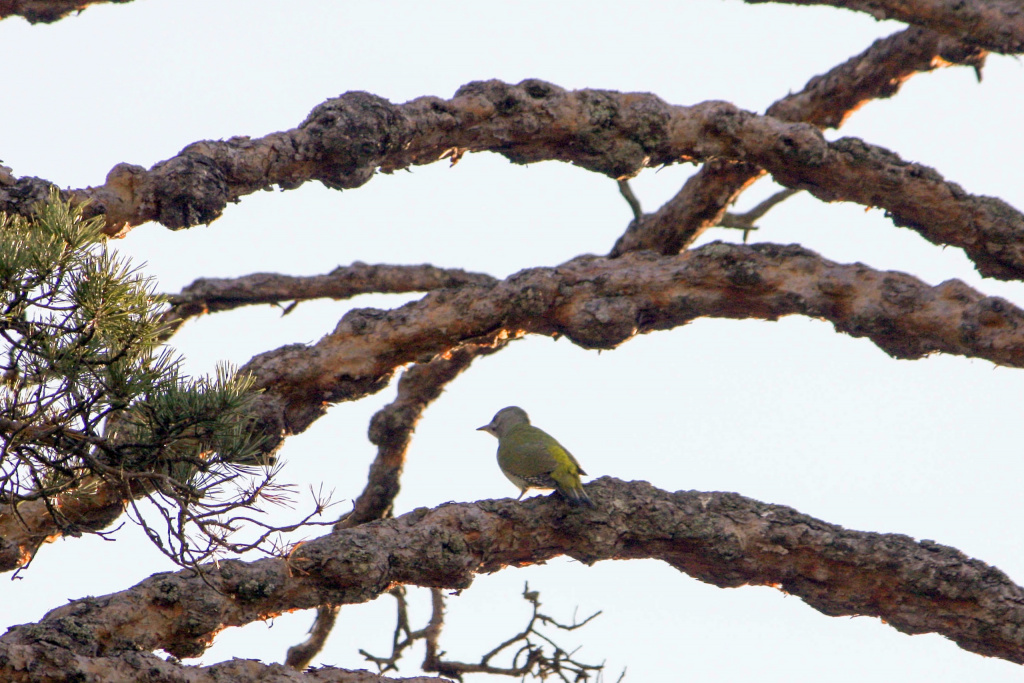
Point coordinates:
[[89, 394]]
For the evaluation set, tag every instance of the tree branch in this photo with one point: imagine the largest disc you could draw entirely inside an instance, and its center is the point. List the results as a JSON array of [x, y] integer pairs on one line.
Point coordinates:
[[49, 661], [344, 140], [826, 102], [997, 25], [600, 303], [209, 295], [720, 538], [392, 426]]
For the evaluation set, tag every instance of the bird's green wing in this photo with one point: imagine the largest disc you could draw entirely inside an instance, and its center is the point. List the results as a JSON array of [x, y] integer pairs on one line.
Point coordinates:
[[532, 452]]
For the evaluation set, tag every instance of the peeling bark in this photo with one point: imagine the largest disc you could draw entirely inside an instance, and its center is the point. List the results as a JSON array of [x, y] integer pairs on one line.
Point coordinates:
[[720, 538], [825, 102], [46, 662]]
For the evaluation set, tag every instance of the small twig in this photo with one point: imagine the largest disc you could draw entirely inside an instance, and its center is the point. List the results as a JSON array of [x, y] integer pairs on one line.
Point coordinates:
[[745, 221], [631, 199], [530, 658]]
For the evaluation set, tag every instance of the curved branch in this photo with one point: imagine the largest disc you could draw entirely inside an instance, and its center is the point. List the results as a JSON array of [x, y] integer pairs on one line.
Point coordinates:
[[997, 25], [345, 140], [720, 538], [826, 102], [392, 426], [600, 303]]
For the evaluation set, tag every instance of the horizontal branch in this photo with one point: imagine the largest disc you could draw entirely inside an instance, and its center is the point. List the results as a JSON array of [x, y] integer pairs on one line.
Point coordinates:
[[997, 25], [345, 140], [721, 538], [208, 295], [601, 303], [825, 102]]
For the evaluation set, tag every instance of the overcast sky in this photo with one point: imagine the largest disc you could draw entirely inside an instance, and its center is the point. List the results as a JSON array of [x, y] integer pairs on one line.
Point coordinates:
[[789, 413]]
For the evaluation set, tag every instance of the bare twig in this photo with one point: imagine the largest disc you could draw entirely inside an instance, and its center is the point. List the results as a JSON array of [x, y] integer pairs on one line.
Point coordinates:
[[531, 657], [634, 204], [745, 221]]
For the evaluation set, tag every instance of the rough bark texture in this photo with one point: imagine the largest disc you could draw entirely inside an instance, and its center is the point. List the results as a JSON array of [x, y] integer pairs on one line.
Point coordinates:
[[826, 102], [600, 303], [46, 11], [996, 25], [345, 140], [720, 538]]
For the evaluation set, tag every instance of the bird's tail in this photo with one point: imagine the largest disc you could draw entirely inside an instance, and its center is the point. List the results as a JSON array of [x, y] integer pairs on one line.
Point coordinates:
[[576, 496]]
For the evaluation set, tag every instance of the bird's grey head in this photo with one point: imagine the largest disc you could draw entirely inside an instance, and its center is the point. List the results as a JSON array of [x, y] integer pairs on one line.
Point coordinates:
[[505, 419]]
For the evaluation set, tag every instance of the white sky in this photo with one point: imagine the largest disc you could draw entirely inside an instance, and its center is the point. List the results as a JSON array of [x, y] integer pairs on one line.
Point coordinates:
[[787, 412]]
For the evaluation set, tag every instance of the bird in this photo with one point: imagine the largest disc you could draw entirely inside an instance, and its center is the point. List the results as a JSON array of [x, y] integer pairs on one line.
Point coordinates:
[[532, 459]]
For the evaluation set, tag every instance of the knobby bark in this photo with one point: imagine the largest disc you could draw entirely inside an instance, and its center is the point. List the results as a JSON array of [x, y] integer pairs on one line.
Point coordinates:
[[721, 538], [599, 303], [345, 140]]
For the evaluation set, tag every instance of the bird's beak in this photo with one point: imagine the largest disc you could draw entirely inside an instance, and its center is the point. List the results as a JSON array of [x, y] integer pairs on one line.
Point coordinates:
[[482, 429]]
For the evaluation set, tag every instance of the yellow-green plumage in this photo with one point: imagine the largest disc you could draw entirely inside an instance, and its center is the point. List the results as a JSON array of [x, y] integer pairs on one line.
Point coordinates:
[[532, 459]]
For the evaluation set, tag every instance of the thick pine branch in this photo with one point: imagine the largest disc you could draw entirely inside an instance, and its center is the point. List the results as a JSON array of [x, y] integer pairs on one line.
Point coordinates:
[[721, 538], [345, 140], [600, 303]]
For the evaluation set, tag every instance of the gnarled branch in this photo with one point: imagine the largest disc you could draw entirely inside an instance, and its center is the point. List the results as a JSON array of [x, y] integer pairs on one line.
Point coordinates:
[[600, 303], [345, 140], [720, 538]]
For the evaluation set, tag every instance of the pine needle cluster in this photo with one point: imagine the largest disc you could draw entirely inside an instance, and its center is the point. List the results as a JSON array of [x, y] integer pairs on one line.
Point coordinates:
[[90, 398]]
